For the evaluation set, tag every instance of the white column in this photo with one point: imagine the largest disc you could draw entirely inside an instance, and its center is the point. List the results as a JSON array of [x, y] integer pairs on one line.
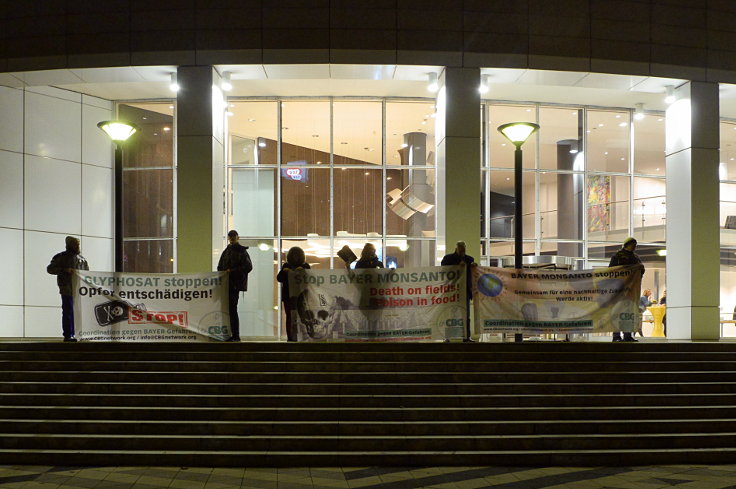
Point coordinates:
[[693, 247], [458, 135]]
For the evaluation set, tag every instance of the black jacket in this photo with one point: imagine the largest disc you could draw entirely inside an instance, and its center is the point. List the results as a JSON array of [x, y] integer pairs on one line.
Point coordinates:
[[626, 257], [455, 259], [372, 263], [283, 277], [62, 261], [236, 259]]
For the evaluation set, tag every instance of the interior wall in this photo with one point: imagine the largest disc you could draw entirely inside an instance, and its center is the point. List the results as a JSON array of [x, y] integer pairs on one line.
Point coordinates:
[[56, 179]]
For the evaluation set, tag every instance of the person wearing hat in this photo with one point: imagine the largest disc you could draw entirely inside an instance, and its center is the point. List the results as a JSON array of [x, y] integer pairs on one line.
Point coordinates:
[[626, 256], [63, 265], [236, 261]]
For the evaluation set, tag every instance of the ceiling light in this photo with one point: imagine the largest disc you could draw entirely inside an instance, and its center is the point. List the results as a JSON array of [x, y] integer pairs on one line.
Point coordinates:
[[432, 83], [639, 112], [167, 128], [623, 124], [229, 114], [251, 120], [670, 94], [263, 247], [173, 85], [226, 84], [484, 83], [171, 106], [261, 144]]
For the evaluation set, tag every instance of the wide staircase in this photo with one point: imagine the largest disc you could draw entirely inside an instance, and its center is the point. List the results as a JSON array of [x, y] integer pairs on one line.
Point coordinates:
[[362, 404]]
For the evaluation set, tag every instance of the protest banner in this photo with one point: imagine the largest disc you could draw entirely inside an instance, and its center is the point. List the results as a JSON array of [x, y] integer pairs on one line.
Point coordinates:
[[556, 301], [379, 304], [150, 307]]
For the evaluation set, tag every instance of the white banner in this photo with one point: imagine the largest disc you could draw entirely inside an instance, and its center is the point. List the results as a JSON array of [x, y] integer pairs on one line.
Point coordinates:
[[150, 307], [379, 304]]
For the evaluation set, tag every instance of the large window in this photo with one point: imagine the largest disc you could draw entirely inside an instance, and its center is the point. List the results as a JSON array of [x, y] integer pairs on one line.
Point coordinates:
[[325, 173], [148, 188]]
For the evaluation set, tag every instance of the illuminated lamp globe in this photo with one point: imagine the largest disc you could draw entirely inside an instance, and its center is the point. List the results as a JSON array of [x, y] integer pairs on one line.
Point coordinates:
[[518, 132], [119, 131]]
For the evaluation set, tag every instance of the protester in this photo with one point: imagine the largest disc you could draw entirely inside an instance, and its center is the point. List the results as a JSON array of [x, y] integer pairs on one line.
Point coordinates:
[[626, 256], [459, 257], [63, 265], [644, 301], [236, 261], [368, 258], [295, 262]]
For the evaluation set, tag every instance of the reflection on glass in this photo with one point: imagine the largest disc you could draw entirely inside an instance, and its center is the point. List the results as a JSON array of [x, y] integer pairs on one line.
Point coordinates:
[[560, 138], [602, 251], [405, 253], [410, 133], [410, 200], [148, 204], [650, 209], [253, 201], [728, 214], [649, 145], [561, 198], [500, 149], [503, 204], [153, 144], [728, 288], [506, 248], [608, 141], [357, 132], [608, 207], [253, 133], [305, 132], [305, 201], [257, 307], [727, 169], [358, 202], [148, 256], [561, 248]]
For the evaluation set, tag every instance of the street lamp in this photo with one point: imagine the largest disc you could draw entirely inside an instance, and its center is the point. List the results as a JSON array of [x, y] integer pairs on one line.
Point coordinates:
[[119, 132], [518, 133]]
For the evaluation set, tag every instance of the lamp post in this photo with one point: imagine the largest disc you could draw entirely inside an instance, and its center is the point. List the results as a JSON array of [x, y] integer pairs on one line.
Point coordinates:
[[518, 133], [119, 132]]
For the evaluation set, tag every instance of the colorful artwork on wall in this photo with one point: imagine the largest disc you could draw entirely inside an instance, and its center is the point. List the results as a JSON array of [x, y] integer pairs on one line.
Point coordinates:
[[599, 203]]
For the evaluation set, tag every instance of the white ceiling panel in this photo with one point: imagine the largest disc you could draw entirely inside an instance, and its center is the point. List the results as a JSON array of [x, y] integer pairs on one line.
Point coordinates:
[[363, 72], [48, 77], [297, 72], [502, 75], [415, 73], [243, 72], [108, 75], [611, 82], [656, 85], [554, 78], [155, 73], [8, 80]]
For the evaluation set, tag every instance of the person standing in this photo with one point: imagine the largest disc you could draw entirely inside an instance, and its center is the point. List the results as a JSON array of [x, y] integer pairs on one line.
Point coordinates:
[[459, 257], [368, 258], [626, 256], [295, 262], [63, 265], [236, 261], [644, 301]]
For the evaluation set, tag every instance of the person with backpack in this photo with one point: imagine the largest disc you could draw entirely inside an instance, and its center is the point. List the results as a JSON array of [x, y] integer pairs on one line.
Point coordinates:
[[236, 261]]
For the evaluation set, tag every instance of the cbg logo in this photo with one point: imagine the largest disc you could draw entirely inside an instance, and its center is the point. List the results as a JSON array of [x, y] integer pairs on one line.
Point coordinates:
[[218, 330], [454, 322]]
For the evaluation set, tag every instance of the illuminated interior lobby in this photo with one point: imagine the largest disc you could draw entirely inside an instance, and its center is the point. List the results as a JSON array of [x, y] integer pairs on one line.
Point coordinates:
[[290, 147]]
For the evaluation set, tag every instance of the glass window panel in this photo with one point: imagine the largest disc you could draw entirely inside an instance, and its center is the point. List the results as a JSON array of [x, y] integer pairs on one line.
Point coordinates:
[[356, 245], [253, 130], [572, 249], [153, 144], [608, 207], [258, 308], [148, 256], [728, 291], [608, 141], [358, 201], [410, 201], [561, 198], [357, 132], [560, 138], [406, 253], [410, 133], [602, 251], [728, 214], [148, 203], [727, 169], [650, 209], [503, 206], [316, 250], [500, 149], [507, 248], [305, 201], [305, 133], [483, 202], [649, 145], [253, 201]]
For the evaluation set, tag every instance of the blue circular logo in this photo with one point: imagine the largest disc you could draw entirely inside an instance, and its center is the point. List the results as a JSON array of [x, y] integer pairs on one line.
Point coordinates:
[[490, 285]]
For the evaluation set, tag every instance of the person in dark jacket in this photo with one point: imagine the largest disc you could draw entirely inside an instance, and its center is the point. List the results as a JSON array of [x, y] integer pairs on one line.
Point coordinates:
[[63, 265], [626, 256], [457, 258], [368, 258], [295, 262], [236, 261]]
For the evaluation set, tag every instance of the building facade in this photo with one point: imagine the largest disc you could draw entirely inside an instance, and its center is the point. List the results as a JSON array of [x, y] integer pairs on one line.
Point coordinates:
[[321, 124]]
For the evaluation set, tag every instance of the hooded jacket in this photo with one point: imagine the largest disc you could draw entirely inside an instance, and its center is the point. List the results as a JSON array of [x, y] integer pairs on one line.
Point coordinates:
[[59, 263], [236, 259]]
